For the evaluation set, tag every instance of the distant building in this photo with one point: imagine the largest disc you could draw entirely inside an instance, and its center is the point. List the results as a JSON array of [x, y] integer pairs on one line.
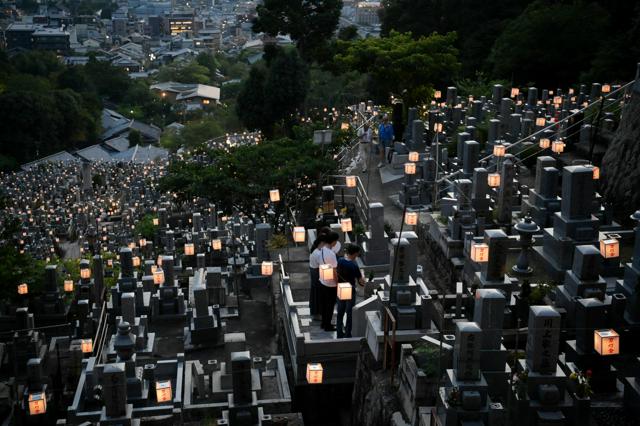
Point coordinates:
[[18, 36], [367, 13], [30, 36], [51, 39], [193, 96], [181, 23]]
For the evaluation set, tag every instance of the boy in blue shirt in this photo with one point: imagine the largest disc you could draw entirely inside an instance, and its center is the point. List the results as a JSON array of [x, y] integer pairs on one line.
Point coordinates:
[[349, 272], [385, 137]]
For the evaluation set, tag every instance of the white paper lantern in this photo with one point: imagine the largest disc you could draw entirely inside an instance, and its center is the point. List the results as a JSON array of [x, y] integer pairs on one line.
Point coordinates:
[[345, 291], [606, 342], [480, 252], [266, 268], [314, 373]]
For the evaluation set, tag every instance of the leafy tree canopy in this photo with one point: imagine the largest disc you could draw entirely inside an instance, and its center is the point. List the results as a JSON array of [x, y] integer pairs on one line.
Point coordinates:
[[401, 65], [536, 48], [311, 23], [231, 177]]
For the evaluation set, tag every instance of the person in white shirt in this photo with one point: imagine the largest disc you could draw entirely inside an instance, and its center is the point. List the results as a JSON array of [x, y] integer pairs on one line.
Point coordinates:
[[365, 135], [328, 287], [315, 261]]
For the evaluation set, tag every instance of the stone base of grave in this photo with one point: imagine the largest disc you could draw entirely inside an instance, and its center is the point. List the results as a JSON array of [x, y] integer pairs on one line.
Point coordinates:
[[541, 208], [603, 379], [495, 371], [507, 285], [125, 420], [202, 338], [557, 255], [632, 395]]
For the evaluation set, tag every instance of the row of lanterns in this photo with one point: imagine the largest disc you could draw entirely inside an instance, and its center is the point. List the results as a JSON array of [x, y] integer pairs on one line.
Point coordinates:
[[609, 248]]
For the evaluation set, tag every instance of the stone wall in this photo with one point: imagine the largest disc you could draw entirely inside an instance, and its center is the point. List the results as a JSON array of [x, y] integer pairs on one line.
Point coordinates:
[[374, 397], [621, 163]]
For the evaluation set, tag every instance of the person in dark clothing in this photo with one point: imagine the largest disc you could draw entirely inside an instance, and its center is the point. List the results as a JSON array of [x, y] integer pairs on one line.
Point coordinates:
[[348, 271]]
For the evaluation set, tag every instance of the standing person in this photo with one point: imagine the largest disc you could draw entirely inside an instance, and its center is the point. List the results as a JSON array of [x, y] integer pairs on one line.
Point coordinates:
[[348, 271], [385, 136], [366, 136], [328, 287], [314, 273]]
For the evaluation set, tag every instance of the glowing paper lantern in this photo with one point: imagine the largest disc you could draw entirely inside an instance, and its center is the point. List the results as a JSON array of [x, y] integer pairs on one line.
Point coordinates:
[[345, 291], [606, 342], [545, 143], [143, 242], [156, 221], [410, 168], [540, 121], [344, 126], [299, 234], [411, 218], [158, 276], [267, 268], [274, 195], [606, 88], [437, 94], [23, 288], [189, 249], [414, 156], [515, 92], [480, 252], [37, 403], [437, 127], [350, 181], [163, 391], [493, 179], [326, 272], [87, 346], [609, 248], [68, 286], [596, 172], [499, 150], [85, 273], [557, 100], [159, 261], [314, 374], [558, 147], [136, 261], [346, 224], [216, 244]]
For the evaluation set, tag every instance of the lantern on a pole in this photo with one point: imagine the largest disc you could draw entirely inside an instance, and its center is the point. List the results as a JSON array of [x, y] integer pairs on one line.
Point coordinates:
[[274, 195]]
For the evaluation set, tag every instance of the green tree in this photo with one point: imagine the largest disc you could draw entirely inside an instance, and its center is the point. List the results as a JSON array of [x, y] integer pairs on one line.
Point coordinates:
[[477, 22], [190, 72], [134, 138], [533, 43], [273, 95], [285, 88], [145, 227], [348, 33], [311, 23], [401, 65], [231, 178], [250, 105]]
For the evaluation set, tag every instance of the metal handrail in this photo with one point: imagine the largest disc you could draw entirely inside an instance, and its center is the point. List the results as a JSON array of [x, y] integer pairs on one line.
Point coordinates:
[[541, 131], [101, 333], [389, 344]]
